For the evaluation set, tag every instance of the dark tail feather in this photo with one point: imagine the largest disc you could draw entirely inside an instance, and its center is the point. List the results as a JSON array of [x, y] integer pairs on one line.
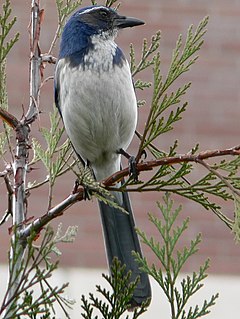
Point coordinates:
[[120, 240]]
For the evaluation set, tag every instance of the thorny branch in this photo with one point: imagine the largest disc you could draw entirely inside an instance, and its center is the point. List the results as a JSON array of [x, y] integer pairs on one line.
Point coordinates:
[[35, 61], [9, 211], [22, 130]]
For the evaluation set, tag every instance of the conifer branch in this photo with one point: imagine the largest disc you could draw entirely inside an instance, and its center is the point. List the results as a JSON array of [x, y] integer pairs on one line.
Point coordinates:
[[181, 158], [108, 183], [171, 262]]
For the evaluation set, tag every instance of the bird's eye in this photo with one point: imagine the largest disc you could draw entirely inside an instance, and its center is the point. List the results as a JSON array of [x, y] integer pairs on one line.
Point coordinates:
[[103, 14]]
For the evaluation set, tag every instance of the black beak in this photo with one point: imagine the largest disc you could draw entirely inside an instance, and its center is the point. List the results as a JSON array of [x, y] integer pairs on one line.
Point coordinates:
[[126, 22]]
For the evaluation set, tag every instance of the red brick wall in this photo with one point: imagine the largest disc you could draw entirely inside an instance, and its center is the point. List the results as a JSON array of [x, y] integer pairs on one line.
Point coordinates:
[[212, 119]]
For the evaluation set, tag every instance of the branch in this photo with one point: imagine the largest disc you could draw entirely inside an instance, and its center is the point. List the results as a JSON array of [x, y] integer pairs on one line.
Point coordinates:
[[10, 119], [182, 158], [222, 178], [35, 61], [48, 58], [38, 224], [9, 211], [20, 165], [78, 195]]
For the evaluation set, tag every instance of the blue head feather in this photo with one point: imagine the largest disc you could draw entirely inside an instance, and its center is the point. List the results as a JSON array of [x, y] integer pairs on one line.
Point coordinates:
[[76, 36], [83, 36]]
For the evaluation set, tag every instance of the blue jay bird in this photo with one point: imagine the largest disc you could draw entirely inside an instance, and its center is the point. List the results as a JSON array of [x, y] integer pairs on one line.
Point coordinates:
[[95, 96]]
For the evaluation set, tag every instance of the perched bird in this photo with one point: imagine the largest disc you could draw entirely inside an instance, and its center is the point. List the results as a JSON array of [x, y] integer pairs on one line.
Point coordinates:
[[95, 96]]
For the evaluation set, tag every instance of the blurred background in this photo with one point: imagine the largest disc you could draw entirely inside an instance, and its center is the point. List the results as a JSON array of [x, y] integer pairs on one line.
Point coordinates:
[[211, 119]]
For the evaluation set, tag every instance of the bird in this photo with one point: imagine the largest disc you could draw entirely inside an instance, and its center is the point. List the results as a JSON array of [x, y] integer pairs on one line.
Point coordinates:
[[95, 95]]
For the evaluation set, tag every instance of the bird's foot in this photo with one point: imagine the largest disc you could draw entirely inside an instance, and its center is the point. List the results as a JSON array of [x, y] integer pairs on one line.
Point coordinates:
[[143, 154], [132, 164], [86, 190], [75, 186]]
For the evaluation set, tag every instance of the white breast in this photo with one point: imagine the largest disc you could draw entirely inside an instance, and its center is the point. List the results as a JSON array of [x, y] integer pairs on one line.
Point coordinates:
[[99, 111]]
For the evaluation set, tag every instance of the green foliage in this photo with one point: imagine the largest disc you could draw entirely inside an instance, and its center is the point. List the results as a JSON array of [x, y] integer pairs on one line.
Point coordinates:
[[86, 179], [114, 303], [6, 24], [236, 225], [162, 101], [108, 3], [172, 261], [6, 44], [147, 58], [165, 111], [3, 140], [55, 155], [64, 9], [34, 272]]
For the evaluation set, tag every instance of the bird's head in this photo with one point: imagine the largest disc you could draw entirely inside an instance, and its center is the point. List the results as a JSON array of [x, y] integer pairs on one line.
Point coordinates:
[[90, 21], [98, 19]]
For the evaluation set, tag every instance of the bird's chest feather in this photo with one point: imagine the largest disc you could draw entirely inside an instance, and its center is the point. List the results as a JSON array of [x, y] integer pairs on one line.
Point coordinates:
[[99, 109]]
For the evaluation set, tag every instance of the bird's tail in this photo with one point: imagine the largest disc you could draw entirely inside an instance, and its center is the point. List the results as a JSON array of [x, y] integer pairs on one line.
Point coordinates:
[[120, 240]]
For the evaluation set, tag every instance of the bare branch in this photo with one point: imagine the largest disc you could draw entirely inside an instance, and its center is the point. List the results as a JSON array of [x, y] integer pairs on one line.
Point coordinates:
[[48, 58], [9, 211], [35, 61], [8, 118], [20, 165], [38, 224]]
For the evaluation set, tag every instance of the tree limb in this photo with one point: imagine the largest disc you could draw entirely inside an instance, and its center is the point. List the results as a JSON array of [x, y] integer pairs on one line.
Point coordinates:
[[59, 209]]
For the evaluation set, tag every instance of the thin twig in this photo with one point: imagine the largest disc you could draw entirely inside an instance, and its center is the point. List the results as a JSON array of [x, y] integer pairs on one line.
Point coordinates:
[[53, 213], [9, 211], [8, 118], [56, 36], [222, 178]]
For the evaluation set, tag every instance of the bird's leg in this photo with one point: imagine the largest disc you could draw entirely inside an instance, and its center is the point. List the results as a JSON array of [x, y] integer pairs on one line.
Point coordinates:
[[75, 186], [84, 179], [132, 164], [86, 189]]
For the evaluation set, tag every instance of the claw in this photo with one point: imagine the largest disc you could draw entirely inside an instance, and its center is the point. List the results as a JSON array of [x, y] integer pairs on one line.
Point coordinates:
[[144, 154], [86, 190], [132, 164], [86, 193], [133, 168], [75, 187]]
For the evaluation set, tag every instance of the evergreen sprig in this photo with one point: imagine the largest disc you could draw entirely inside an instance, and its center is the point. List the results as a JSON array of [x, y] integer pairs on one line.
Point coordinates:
[[6, 25], [147, 56], [108, 3], [64, 9], [6, 44], [91, 187], [172, 261], [164, 112], [55, 155], [160, 122], [34, 271], [113, 303], [173, 179]]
